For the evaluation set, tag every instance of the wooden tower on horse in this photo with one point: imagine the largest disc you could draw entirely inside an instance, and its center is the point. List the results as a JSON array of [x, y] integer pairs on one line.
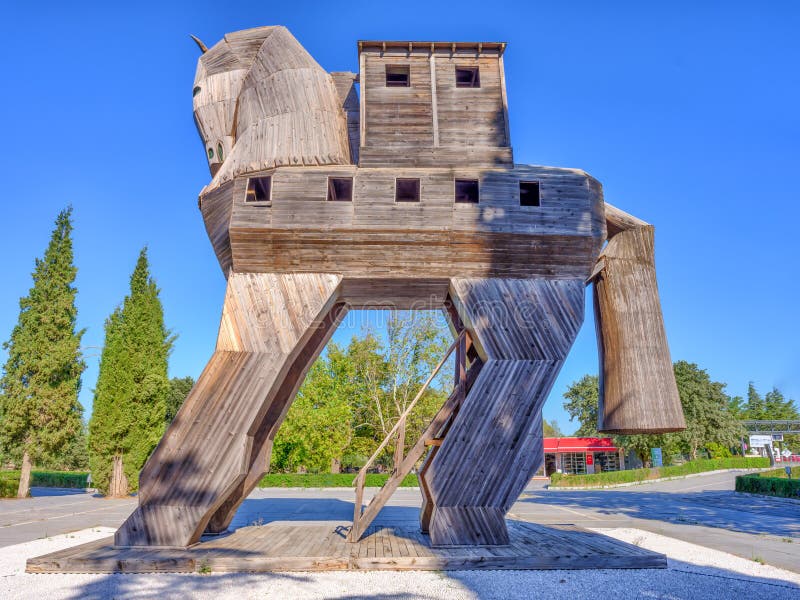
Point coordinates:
[[404, 195]]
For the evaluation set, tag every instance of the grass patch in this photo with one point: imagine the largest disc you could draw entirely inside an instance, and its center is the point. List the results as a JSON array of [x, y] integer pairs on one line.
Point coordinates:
[[9, 480], [780, 473], [635, 475], [309, 480]]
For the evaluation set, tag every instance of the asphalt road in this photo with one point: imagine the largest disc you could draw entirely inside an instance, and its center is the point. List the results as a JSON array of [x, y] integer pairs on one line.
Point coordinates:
[[702, 510]]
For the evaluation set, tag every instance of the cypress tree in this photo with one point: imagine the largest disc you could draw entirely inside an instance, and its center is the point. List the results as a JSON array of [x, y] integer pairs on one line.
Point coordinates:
[[40, 416], [132, 387]]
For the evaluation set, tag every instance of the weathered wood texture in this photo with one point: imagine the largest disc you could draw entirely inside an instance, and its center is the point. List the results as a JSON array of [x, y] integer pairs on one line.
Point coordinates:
[[262, 89], [522, 330], [282, 546], [219, 443], [375, 236], [346, 88], [432, 122], [403, 465], [638, 391], [296, 262]]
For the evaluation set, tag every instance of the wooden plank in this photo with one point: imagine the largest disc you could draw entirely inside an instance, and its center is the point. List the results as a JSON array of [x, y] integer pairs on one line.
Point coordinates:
[[315, 547], [638, 392], [263, 343]]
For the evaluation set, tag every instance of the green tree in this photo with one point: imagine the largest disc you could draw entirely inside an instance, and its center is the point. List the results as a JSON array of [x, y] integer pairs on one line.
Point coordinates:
[[773, 406], [756, 409], [353, 396], [779, 408], [551, 429], [40, 415], [132, 386], [179, 388], [582, 400], [319, 425], [738, 407], [706, 407]]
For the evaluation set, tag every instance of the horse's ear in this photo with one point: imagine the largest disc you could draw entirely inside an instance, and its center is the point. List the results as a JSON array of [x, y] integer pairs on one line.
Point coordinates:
[[200, 44]]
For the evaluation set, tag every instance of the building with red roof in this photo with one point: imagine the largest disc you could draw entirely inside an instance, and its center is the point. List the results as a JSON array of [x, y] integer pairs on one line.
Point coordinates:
[[580, 455]]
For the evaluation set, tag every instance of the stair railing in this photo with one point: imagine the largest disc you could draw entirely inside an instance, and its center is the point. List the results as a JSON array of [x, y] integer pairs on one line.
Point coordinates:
[[399, 429]]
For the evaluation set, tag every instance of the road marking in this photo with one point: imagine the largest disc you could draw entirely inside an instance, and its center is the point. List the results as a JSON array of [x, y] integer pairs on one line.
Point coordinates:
[[45, 507], [56, 517], [575, 512], [698, 487]]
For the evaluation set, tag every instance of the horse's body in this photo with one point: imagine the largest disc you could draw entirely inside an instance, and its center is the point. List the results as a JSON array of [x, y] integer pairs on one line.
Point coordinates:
[[408, 198]]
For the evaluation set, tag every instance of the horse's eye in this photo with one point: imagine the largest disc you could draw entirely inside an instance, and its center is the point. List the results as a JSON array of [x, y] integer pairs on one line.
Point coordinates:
[[210, 153], [219, 151], [195, 91]]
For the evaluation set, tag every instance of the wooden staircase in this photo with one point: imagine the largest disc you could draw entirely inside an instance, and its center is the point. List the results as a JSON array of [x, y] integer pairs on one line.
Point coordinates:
[[430, 440], [468, 365]]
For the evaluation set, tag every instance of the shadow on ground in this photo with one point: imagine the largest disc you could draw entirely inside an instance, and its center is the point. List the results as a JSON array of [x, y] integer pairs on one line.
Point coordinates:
[[260, 511], [726, 510], [681, 580], [42, 492]]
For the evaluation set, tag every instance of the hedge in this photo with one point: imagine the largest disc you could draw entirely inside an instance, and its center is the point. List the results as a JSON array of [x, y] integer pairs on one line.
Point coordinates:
[[768, 486], [61, 479], [634, 475], [9, 481], [328, 480]]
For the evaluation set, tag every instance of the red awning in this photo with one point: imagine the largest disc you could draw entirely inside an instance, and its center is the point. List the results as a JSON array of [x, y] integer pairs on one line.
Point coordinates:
[[579, 444]]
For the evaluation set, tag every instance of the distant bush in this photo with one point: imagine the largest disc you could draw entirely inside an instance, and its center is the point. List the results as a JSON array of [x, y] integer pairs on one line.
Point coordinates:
[[718, 450], [768, 486], [634, 475], [62, 479], [309, 480], [9, 480], [9, 484]]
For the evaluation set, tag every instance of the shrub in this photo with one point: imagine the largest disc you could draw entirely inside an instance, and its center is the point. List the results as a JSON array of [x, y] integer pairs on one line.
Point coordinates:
[[62, 479], [718, 450], [328, 480], [9, 481], [768, 486], [633, 475], [9, 484]]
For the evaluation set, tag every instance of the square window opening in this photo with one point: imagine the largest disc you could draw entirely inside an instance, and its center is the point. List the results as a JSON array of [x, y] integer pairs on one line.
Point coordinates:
[[406, 190], [468, 77], [340, 189], [467, 191], [259, 189], [529, 193], [398, 76]]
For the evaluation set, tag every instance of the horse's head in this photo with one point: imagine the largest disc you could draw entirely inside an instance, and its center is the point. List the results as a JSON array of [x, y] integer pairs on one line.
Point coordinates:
[[257, 92]]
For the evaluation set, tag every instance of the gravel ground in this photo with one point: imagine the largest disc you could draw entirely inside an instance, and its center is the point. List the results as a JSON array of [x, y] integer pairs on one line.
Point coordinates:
[[694, 573]]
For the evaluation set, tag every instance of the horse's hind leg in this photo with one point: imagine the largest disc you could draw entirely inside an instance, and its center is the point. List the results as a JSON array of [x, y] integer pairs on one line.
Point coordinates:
[[523, 330]]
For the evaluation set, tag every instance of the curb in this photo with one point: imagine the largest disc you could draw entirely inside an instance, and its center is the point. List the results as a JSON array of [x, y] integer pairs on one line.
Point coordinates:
[[644, 481]]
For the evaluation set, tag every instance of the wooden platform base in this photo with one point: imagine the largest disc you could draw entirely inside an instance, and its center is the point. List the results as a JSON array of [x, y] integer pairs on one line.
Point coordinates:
[[322, 546]]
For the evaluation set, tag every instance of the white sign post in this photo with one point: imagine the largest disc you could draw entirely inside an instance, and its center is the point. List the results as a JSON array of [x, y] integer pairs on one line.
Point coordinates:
[[760, 441]]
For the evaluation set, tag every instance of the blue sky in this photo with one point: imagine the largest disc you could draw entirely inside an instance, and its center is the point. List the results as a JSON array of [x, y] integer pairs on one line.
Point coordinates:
[[688, 114]]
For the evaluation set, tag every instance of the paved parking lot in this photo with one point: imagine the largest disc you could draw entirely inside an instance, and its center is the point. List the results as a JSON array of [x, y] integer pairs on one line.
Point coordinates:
[[702, 510]]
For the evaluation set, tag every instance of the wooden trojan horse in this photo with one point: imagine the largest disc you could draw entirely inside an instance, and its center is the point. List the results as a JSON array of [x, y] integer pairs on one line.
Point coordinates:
[[403, 196]]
